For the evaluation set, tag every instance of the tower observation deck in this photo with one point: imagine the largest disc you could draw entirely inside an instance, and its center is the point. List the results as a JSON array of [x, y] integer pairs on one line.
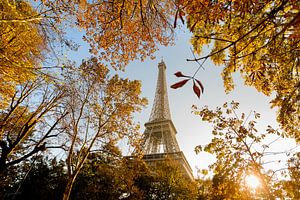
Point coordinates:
[[159, 138]]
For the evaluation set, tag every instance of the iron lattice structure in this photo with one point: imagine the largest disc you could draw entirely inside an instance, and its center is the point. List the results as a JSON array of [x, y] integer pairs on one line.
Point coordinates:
[[160, 109], [159, 139]]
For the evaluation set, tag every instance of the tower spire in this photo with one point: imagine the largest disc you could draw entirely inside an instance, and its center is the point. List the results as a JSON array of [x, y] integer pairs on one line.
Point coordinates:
[[160, 108]]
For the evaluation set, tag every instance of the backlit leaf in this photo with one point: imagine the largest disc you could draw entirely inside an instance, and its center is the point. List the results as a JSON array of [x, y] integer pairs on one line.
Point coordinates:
[[196, 90], [201, 85]]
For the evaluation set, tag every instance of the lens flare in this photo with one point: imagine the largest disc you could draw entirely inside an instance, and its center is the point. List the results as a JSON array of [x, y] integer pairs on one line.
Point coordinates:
[[252, 181]]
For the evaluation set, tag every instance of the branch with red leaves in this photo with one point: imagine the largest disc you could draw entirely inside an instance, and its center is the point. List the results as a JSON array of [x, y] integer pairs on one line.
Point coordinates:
[[198, 87]]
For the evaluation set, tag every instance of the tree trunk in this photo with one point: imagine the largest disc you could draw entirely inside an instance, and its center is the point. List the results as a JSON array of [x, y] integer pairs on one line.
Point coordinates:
[[3, 156], [69, 186]]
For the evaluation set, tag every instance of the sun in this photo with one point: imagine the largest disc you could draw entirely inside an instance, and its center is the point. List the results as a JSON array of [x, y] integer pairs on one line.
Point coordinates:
[[252, 181]]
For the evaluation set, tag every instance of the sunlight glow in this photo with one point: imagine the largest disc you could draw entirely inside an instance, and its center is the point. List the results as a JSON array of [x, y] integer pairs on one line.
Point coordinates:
[[252, 181]]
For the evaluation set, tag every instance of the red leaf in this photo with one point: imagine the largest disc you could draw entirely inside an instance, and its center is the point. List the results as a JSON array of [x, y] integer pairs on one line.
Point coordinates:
[[179, 74], [201, 85], [179, 84], [196, 90]]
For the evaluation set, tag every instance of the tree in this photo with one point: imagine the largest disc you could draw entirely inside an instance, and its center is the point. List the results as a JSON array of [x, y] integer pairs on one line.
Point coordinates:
[[117, 31], [29, 124], [45, 180], [166, 181], [259, 39], [122, 31], [100, 108], [100, 178], [204, 187], [105, 175], [292, 186], [239, 150], [108, 175], [22, 48], [39, 178]]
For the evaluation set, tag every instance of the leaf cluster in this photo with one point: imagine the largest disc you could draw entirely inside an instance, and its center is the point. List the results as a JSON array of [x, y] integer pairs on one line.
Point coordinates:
[[239, 149], [258, 39], [118, 31], [22, 47]]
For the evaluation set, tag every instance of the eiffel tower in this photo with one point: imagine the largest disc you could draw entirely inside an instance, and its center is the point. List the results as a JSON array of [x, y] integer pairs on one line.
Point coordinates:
[[159, 138]]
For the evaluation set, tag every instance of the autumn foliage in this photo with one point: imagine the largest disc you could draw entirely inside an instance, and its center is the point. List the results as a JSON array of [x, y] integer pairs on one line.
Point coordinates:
[[258, 39], [241, 149], [21, 49], [119, 31]]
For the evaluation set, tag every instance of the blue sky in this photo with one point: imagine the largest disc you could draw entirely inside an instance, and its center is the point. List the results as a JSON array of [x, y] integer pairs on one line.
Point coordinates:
[[191, 130]]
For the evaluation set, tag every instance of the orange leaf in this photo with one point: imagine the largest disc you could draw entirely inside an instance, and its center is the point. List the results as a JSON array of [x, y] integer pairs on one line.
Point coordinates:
[[179, 84]]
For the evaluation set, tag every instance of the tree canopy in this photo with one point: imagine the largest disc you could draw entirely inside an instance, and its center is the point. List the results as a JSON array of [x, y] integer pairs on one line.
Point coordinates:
[[106, 175], [258, 39], [117, 31], [241, 151], [22, 47]]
